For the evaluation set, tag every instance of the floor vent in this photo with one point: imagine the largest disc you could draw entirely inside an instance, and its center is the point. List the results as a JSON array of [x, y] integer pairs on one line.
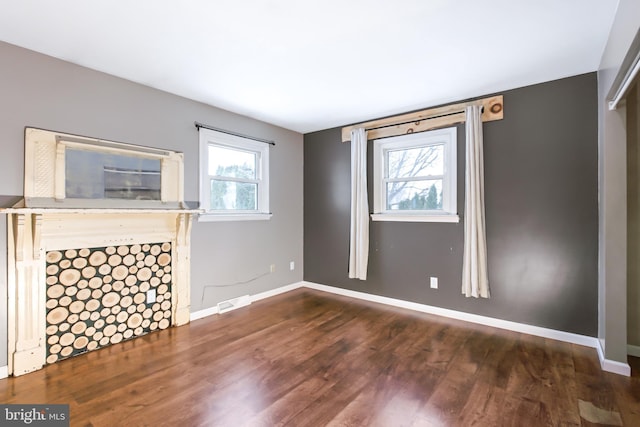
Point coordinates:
[[234, 303]]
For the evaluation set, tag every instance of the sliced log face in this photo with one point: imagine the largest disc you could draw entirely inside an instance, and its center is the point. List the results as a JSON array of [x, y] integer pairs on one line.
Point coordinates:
[[98, 296], [144, 274], [76, 307], [97, 258], [67, 339], [120, 272], [131, 282], [164, 259], [55, 291], [69, 277], [53, 257], [80, 343], [88, 272], [105, 269], [134, 321], [57, 315], [83, 294], [79, 263], [114, 260], [79, 328], [95, 283]]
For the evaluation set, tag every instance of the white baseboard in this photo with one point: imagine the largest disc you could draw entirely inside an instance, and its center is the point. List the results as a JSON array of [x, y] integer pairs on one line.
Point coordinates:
[[616, 367], [459, 315], [4, 372], [607, 365], [257, 297], [200, 314], [633, 350], [277, 291], [612, 366]]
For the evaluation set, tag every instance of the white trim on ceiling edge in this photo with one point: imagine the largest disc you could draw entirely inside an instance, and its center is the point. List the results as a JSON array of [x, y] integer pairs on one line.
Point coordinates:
[[606, 365]]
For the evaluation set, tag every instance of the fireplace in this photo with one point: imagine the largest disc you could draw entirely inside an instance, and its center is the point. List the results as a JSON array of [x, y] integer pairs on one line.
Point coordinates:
[[82, 276], [101, 296]]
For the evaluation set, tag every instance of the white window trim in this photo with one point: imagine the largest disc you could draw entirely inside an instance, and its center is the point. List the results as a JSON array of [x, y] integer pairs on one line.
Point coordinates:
[[381, 146], [208, 137], [415, 217]]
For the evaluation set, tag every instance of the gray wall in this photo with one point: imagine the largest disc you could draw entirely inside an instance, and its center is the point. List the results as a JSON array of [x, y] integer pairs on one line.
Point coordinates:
[[612, 184], [44, 92], [541, 211]]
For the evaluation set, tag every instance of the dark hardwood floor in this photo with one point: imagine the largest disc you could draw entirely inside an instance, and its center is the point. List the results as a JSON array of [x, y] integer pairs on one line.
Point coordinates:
[[306, 358]]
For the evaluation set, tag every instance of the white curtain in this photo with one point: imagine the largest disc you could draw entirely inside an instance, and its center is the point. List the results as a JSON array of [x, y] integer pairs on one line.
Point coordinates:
[[475, 280], [359, 243]]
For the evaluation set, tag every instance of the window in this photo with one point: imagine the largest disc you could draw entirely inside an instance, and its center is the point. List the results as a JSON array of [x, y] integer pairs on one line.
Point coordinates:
[[234, 175], [415, 177]]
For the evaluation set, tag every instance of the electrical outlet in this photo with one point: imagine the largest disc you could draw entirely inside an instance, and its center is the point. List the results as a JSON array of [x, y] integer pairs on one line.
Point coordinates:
[[292, 265], [433, 282], [272, 268], [151, 296]]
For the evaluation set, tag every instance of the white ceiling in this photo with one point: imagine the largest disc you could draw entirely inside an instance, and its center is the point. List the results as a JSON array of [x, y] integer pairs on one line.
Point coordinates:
[[317, 64]]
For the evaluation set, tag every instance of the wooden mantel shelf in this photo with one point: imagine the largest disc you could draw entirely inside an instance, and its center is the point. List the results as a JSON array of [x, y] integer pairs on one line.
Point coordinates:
[[19, 207], [14, 210]]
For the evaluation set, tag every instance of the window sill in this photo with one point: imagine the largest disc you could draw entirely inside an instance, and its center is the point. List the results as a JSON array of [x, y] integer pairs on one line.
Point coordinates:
[[214, 217], [415, 218]]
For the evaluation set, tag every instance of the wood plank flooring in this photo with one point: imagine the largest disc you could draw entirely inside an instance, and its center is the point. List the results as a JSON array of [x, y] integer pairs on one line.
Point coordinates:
[[306, 358]]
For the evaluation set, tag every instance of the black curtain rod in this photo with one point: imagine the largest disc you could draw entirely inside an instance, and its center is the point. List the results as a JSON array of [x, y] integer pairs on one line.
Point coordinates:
[[200, 125]]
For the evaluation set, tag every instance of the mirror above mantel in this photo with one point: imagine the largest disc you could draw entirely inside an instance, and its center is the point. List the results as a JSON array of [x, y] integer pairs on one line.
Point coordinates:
[[72, 171]]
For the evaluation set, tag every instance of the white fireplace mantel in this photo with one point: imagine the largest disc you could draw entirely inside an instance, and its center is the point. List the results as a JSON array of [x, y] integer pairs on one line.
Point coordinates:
[[32, 232], [85, 198]]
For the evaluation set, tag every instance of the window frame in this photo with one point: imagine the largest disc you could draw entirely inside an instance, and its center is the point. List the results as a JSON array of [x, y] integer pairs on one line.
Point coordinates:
[[209, 138], [381, 147]]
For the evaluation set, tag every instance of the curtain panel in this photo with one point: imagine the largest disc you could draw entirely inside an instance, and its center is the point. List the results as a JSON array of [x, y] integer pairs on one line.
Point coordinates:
[[359, 241], [475, 279]]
